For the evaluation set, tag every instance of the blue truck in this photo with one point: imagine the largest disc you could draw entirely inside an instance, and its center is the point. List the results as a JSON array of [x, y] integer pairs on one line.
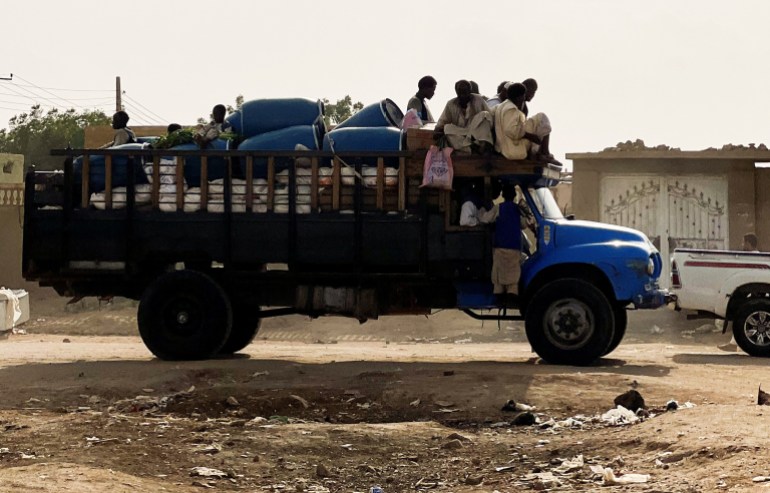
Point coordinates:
[[269, 233]]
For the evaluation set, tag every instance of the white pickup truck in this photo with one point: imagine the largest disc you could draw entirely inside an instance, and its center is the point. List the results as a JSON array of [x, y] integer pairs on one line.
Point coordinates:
[[730, 285]]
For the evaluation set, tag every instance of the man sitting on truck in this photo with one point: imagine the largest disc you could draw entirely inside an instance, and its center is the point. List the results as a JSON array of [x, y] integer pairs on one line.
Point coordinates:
[[506, 255], [123, 134], [466, 121], [426, 88], [207, 133], [519, 137]]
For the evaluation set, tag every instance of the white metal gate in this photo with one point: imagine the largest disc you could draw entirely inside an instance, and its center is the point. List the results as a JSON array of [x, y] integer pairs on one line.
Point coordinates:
[[673, 211]]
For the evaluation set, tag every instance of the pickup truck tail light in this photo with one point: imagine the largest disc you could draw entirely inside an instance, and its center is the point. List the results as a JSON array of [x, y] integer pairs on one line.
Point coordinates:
[[676, 281]]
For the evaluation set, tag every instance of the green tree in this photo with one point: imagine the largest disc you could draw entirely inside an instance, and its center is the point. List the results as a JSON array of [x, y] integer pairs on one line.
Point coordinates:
[[36, 132], [336, 113]]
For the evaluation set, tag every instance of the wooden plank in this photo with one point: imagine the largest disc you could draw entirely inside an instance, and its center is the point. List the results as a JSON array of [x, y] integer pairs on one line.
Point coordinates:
[[250, 184], [155, 194], [108, 182], [472, 165], [336, 184], [270, 182], [403, 183], [314, 184], [380, 183], [204, 182], [179, 183], [86, 177]]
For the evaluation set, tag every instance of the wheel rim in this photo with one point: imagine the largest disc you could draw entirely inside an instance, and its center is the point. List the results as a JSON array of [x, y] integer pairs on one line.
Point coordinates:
[[568, 323], [182, 316], [757, 328]]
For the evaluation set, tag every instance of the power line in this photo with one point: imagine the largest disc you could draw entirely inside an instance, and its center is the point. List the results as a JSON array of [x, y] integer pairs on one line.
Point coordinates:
[[63, 89], [47, 91], [37, 96], [160, 118]]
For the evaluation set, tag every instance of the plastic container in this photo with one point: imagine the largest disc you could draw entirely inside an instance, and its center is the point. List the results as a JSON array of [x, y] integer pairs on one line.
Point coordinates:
[[192, 164], [266, 115], [285, 139], [96, 172], [365, 139], [386, 113]]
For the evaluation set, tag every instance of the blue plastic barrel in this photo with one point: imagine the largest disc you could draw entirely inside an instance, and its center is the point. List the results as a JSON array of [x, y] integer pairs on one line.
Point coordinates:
[[365, 139], [217, 165], [147, 139], [266, 115], [386, 113], [96, 174], [284, 139]]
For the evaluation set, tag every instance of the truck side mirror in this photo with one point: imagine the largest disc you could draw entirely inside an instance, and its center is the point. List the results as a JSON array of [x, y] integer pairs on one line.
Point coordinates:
[[570, 217]]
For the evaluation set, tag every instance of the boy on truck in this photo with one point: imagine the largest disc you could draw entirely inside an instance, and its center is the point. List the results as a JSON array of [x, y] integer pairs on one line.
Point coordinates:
[[506, 255]]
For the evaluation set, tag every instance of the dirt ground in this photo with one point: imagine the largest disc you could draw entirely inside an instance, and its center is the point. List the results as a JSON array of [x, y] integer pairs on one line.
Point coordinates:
[[407, 403]]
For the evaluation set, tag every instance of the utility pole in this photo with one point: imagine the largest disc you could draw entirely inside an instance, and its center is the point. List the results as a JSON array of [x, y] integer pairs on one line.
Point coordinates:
[[118, 101]]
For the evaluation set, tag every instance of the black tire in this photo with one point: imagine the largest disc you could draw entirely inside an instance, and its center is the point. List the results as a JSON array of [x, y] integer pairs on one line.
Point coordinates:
[[246, 322], [184, 315], [751, 327], [570, 322], [621, 322]]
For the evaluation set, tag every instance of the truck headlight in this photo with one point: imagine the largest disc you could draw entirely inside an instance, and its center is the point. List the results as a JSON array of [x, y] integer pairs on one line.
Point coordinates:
[[650, 266]]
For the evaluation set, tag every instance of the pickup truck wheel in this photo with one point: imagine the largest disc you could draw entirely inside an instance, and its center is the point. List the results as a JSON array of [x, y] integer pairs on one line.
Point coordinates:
[[246, 321], [621, 321], [184, 315], [751, 327], [570, 322]]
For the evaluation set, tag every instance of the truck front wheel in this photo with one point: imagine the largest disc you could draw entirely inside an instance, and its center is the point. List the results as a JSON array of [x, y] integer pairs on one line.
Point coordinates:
[[570, 321], [184, 315], [751, 327]]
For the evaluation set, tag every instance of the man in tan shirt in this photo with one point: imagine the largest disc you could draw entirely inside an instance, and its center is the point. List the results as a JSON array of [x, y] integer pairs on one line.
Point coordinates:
[[466, 121], [516, 136]]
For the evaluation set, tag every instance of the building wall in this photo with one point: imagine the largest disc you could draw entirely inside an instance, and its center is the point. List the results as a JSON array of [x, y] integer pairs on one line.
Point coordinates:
[[11, 210], [97, 136], [762, 207]]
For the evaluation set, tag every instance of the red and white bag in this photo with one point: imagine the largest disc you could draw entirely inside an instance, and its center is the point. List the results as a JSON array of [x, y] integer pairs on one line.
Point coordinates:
[[438, 172]]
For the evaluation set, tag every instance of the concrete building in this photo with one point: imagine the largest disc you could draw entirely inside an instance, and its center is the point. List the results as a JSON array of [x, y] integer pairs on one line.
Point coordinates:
[[696, 199], [11, 217]]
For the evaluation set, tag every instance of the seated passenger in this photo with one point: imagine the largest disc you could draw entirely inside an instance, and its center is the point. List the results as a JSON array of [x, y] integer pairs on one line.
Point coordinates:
[[519, 137], [123, 134], [211, 131], [466, 121], [473, 206], [426, 88], [501, 95]]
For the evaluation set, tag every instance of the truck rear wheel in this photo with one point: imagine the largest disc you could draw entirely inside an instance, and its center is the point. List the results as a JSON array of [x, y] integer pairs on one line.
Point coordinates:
[[751, 327], [570, 321], [621, 322], [184, 315], [246, 322]]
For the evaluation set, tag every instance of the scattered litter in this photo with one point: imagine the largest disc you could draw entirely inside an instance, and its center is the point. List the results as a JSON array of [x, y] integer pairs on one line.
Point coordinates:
[[260, 374], [656, 330], [619, 416], [609, 478], [444, 403], [212, 449], [504, 468], [524, 419], [232, 402], [302, 401], [631, 400], [513, 406], [415, 403], [464, 341], [207, 472], [761, 479], [763, 398]]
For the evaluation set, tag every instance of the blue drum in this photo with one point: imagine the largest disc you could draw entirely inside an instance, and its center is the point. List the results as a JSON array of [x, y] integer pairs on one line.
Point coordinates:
[[386, 113]]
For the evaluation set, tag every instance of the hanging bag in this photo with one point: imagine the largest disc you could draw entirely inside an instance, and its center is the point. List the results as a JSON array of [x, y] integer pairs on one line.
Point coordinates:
[[438, 172]]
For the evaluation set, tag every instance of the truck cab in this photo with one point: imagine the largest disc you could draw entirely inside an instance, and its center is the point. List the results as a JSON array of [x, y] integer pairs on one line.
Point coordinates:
[[321, 233]]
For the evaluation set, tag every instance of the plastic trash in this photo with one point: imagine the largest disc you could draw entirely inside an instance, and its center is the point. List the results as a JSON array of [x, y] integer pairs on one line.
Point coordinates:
[[376, 489]]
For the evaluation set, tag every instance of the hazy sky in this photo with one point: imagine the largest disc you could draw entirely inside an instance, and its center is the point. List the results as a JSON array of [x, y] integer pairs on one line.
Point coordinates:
[[690, 74]]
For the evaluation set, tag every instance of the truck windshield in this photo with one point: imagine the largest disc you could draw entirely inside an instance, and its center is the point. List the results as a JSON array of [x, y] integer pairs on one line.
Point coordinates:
[[545, 203]]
